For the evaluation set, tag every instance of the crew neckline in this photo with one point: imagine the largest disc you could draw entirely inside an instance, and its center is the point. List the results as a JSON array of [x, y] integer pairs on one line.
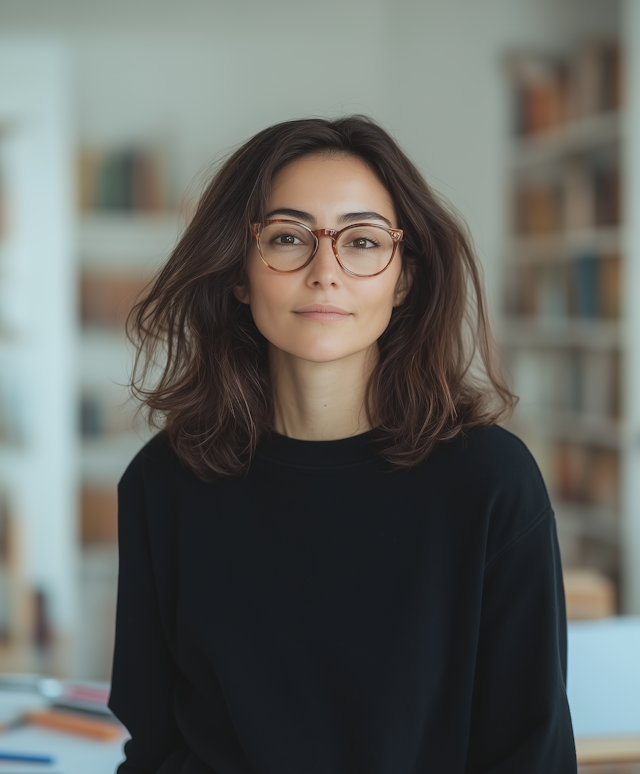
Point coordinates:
[[283, 450]]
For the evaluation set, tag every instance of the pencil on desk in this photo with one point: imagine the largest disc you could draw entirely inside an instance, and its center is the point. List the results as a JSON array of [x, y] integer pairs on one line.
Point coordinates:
[[74, 724], [25, 757]]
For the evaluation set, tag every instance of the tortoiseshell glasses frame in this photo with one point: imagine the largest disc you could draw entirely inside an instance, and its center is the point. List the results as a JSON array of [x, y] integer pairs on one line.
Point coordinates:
[[395, 233]]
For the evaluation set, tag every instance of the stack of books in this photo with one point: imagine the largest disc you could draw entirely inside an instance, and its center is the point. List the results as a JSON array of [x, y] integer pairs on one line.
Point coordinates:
[[107, 299], [123, 180], [552, 91]]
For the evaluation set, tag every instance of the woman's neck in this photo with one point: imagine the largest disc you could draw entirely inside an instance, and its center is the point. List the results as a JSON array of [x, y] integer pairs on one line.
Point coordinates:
[[320, 401]]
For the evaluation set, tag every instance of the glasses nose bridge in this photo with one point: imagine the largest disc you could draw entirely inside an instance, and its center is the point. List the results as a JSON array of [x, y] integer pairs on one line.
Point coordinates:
[[324, 232]]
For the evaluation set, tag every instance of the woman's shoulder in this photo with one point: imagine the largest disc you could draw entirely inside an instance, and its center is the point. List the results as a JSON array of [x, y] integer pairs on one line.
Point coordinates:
[[155, 460], [496, 452], [490, 448], [495, 468]]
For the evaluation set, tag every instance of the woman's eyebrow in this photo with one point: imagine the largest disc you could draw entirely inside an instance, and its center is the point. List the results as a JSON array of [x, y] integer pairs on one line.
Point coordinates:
[[297, 214], [348, 217]]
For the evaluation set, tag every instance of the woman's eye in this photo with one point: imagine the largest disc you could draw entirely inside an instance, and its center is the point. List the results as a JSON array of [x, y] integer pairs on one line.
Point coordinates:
[[363, 244], [286, 239]]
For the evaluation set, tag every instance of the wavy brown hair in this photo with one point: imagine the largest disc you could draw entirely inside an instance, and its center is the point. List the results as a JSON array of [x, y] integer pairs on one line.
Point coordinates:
[[201, 370]]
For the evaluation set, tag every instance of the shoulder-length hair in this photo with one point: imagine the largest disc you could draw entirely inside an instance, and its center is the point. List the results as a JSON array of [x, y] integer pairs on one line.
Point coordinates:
[[436, 374]]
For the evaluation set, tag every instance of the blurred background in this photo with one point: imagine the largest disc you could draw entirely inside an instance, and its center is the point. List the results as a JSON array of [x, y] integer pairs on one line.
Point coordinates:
[[524, 113]]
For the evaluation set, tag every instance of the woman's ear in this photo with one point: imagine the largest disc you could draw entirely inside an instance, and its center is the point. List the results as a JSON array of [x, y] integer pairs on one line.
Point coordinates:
[[241, 292], [405, 280]]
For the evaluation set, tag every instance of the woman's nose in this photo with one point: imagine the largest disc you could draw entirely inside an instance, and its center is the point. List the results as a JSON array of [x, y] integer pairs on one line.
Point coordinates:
[[325, 257], [324, 261]]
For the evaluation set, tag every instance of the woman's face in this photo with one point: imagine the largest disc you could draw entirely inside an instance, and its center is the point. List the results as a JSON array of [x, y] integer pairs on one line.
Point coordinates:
[[324, 192]]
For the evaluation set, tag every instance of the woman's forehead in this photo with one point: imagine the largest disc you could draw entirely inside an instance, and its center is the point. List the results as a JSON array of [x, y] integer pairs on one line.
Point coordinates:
[[338, 182]]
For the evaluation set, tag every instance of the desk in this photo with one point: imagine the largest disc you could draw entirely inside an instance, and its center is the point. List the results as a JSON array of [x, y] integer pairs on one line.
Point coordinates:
[[603, 688], [613, 749], [73, 754]]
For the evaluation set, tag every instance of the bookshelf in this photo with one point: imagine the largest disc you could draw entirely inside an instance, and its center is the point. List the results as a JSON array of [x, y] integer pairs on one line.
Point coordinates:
[[38, 450], [65, 288], [119, 250], [631, 342], [563, 310], [127, 226], [119, 253]]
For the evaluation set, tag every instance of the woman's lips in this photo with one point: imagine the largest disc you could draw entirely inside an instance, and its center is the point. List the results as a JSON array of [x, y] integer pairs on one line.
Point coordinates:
[[325, 316], [323, 312]]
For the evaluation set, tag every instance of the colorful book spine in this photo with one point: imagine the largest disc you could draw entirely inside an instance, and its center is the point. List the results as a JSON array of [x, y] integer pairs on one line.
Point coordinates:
[[124, 180], [550, 91]]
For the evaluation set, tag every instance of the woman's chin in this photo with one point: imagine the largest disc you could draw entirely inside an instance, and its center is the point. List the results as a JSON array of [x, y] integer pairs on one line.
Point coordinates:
[[320, 352]]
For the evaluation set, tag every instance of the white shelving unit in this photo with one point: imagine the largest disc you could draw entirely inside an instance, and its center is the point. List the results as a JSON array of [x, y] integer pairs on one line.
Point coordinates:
[[132, 245], [631, 331], [574, 137], [48, 360], [563, 359], [38, 354]]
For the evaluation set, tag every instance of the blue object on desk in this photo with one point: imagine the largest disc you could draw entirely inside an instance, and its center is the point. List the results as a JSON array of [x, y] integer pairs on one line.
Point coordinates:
[[603, 676], [25, 757]]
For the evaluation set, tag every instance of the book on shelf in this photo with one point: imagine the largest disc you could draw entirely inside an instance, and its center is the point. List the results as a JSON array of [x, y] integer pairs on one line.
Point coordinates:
[[99, 514], [588, 594], [584, 286], [549, 292], [537, 208], [580, 384], [596, 78], [15, 609], [599, 382], [609, 287], [105, 416], [607, 195], [590, 189], [587, 286], [578, 195], [7, 560], [106, 299], [12, 405], [583, 195], [551, 90], [588, 474], [541, 97], [129, 179]]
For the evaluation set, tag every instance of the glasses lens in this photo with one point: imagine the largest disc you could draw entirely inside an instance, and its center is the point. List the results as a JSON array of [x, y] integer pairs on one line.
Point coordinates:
[[286, 246], [365, 249]]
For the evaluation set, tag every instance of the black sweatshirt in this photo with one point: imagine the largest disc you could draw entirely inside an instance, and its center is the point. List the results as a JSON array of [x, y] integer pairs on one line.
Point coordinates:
[[322, 615]]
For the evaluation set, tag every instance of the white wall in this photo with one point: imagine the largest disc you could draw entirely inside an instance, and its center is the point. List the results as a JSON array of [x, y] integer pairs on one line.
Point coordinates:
[[202, 75]]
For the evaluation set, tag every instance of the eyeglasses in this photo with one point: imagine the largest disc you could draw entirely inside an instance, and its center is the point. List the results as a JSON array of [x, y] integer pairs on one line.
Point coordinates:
[[361, 249]]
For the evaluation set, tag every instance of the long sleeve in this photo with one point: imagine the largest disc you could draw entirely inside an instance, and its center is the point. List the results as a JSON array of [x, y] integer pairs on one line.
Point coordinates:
[[520, 721], [143, 668]]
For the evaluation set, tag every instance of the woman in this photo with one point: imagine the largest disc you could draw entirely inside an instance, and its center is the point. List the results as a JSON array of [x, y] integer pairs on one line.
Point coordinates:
[[332, 558]]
